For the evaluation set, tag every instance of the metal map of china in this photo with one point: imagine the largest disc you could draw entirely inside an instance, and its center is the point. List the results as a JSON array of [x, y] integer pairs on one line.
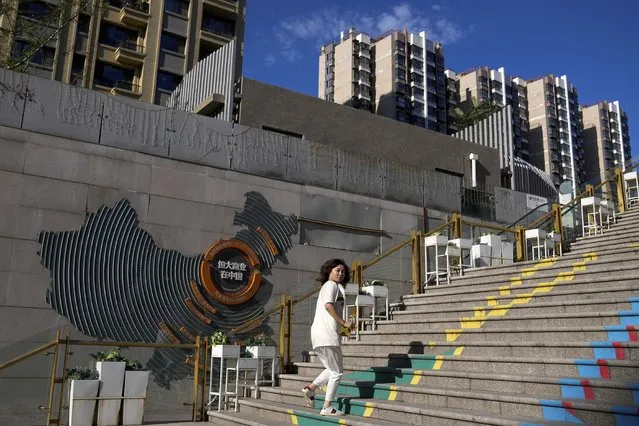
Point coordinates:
[[111, 280]]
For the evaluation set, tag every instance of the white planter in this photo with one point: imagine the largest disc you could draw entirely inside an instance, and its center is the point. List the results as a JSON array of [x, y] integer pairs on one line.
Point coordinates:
[[135, 384], [376, 290], [81, 412], [225, 351], [480, 255], [491, 240], [261, 351], [111, 384]]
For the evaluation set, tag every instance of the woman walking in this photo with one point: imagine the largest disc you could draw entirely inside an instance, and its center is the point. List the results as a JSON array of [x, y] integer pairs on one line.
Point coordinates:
[[325, 335]]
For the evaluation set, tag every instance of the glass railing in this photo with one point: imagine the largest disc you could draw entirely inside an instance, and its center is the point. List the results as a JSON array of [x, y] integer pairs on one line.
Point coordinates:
[[140, 6]]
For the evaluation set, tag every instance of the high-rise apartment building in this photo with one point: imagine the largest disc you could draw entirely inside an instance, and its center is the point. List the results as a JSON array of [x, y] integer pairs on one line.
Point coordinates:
[[399, 75], [554, 137], [484, 84], [135, 48], [606, 139], [452, 99]]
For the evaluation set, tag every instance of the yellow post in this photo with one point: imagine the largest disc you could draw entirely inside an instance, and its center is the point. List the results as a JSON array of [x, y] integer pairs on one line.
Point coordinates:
[[65, 362], [289, 331], [354, 272], [54, 370], [621, 190], [520, 243], [360, 274], [196, 376], [457, 225], [282, 332], [590, 190], [203, 385], [415, 262], [556, 222]]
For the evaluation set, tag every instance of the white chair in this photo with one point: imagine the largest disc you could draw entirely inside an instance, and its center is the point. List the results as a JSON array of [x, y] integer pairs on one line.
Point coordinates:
[[553, 240], [537, 238], [377, 292], [611, 218], [591, 215], [436, 244], [631, 181], [457, 250], [243, 365], [352, 299]]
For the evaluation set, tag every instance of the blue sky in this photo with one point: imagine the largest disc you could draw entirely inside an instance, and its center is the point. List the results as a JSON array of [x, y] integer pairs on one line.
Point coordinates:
[[596, 44]]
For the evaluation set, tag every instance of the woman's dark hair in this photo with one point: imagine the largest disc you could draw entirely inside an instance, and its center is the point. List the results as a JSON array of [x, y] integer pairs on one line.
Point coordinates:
[[328, 266]]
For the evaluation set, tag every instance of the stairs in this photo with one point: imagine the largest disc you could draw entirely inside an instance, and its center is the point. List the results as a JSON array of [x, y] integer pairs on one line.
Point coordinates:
[[544, 342]]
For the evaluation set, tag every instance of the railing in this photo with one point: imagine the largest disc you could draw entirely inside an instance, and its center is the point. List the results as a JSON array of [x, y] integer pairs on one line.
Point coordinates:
[[124, 44], [215, 29], [138, 5], [118, 84], [61, 356]]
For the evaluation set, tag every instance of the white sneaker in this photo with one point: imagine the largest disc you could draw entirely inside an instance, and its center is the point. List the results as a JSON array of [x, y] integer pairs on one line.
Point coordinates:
[[309, 396], [330, 411]]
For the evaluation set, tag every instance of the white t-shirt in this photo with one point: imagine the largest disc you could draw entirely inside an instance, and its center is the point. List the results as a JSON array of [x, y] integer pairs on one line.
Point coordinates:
[[325, 330]]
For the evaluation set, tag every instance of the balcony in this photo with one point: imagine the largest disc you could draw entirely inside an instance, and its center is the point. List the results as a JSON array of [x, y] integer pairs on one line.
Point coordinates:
[[228, 6], [126, 52], [118, 87], [132, 12], [213, 34]]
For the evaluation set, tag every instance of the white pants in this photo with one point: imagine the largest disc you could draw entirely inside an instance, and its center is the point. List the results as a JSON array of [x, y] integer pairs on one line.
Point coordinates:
[[331, 359]]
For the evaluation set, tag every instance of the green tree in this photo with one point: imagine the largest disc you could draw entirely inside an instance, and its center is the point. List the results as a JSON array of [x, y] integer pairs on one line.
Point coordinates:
[[473, 113], [29, 30]]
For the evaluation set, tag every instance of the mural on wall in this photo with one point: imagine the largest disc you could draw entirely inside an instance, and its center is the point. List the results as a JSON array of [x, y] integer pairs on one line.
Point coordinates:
[[111, 280]]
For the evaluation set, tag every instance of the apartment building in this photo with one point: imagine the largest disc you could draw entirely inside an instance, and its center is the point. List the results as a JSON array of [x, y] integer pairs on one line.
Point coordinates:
[[606, 139], [135, 48], [483, 84], [399, 75], [555, 124]]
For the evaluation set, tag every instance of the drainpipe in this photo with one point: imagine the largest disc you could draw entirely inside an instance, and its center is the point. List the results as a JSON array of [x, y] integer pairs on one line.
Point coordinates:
[[473, 161]]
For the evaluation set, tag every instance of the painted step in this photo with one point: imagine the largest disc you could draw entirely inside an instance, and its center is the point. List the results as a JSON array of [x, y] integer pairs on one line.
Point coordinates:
[[370, 385], [224, 418], [379, 353], [499, 318], [279, 413], [621, 370], [617, 392], [354, 399], [626, 289], [537, 286], [550, 334], [619, 242], [424, 313], [390, 412]]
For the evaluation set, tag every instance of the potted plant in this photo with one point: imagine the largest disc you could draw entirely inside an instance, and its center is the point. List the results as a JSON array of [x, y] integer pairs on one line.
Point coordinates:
[[375, 288], [221, 347], [110, 366], [84, 384], [259, 346], [136, 379]]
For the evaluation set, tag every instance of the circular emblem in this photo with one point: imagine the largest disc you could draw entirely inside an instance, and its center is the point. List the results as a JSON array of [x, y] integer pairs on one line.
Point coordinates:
[[230, 272]]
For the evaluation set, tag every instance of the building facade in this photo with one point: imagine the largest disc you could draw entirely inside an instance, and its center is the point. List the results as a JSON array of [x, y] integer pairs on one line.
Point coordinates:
[[399, 75], [135, 48], [606, 139], [483, 84], [554, 138]]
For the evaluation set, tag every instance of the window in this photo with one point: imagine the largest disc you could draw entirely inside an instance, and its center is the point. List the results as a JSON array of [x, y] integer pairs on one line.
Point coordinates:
[[419, 121], [77, 68], [400, 45], [172, 43], [179, 7], [43, 56], [416, 51], [168, 81], [418, 108], [118, 36], [35, 9], [401, 88], [403, 117], [110, 75], [414, 63], [401, 102], [219, 26], [401, 75], [417, 78], [83, 24], [417, 92], [400, 60]]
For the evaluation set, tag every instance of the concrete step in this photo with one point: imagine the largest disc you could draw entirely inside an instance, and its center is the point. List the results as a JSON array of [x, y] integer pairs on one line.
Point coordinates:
[[499, 318], [379, 353], [278, 413], [373, 386], [623, 289], [551, 334], [614, 251], [535, 286], [224, 418], [549, 271], [366, 392], [424, 313], [621, 370], [596, 245], [426, 410]]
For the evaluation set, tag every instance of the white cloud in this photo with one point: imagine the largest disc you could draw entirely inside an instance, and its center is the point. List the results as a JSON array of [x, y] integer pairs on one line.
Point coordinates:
[[269, 60], [324, 25]]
